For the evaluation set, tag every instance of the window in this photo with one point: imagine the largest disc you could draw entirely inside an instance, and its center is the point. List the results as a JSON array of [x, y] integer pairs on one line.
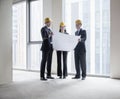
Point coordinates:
[[36, 20], [36, 23], [95, 16], [35, 56], [27, 55], [19, 35]]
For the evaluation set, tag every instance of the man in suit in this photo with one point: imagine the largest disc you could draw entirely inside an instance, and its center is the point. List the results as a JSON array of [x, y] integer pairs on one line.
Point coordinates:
[[80, 51], [47, 50]]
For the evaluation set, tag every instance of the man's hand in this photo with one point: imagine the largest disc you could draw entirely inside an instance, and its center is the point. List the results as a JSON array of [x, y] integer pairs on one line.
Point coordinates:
[[79, 39], [50, 34]]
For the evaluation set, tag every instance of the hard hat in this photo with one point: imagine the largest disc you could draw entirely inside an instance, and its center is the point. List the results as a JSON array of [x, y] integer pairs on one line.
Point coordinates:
[[47, 20], [78, 22], [62, 24]]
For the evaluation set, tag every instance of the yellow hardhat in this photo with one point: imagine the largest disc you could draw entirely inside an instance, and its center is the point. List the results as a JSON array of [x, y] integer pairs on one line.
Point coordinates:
[[47, 20], [62, 24], [78, 22]]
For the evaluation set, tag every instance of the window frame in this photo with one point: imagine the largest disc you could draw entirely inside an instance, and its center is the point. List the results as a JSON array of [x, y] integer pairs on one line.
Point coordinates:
[[29, 24]]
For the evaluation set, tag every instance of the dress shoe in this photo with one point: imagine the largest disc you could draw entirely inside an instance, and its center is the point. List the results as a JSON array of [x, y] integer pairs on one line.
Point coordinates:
[[43, 78], [76, 77], [64, 77], [50, 77], [60, 77], [83, 78]]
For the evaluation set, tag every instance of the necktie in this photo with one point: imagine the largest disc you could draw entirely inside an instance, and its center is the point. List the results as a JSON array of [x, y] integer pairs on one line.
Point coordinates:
[[50, 39], [77, 32]]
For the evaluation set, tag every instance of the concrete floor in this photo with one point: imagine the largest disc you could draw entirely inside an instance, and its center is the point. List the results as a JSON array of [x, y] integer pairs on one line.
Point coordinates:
[[26, 85]]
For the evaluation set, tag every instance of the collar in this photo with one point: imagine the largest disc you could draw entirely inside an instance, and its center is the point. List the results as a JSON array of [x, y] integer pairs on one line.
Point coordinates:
[[47, 27], [79, 29]]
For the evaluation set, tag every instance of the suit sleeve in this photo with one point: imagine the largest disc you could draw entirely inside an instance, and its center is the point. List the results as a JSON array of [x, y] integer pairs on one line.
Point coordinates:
[[83, 36], [44, 34]]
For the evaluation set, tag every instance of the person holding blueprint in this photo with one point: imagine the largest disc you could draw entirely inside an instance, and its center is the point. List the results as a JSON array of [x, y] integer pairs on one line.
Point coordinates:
[[80, 51], [62, 55], [47, 50]]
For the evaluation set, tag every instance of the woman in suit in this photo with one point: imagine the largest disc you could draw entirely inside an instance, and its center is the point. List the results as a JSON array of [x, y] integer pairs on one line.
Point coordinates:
[[62, 55]]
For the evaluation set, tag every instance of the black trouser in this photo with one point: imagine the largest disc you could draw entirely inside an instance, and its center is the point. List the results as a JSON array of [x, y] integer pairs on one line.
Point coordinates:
[[59, 64], [46, 58], [80, 63]]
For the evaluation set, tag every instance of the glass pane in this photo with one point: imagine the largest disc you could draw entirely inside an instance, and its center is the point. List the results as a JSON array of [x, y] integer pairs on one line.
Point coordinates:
[[36, 18], [95, 15], [35, 56], [19, 35]]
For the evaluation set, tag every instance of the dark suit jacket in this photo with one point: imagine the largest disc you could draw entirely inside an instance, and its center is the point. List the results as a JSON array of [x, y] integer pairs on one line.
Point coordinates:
[[81, 45], [46, 44]]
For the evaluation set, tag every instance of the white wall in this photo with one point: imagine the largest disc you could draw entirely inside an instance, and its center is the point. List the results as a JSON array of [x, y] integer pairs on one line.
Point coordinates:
[[56, 13], [5, 41], [57, 18], [53, 9], [47, 8], [115, 39]]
